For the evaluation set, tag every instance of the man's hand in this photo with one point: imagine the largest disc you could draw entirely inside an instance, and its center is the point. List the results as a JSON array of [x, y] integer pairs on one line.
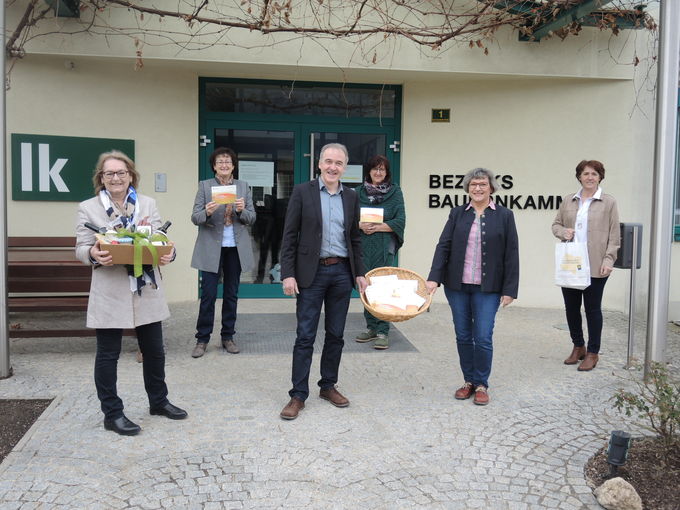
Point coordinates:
[[361, 284], [290, 287], [431, 287], [506, 300]]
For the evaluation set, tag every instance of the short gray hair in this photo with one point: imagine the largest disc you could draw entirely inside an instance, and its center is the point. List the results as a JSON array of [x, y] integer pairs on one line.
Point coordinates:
[[480, 173], [337, 146]]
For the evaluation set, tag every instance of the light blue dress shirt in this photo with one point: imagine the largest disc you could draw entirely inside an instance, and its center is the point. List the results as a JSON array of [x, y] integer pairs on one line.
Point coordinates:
[[333, 222]]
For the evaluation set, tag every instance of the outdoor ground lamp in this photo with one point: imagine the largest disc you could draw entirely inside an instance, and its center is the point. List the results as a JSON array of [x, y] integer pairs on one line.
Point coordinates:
[[617, 450]]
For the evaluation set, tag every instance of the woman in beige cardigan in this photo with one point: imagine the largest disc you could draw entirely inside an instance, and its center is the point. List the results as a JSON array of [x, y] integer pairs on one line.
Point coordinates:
[[589, 216], [117, 299]]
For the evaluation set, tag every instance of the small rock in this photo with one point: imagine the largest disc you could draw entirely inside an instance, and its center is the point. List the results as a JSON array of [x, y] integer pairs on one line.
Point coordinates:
[[618, 494]]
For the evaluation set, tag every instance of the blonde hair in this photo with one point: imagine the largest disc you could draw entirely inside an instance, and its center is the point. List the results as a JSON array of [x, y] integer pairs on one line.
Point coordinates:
[[97, 178]]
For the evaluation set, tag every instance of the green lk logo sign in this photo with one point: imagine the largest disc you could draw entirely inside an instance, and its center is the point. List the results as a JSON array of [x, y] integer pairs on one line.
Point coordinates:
[[58, 168]]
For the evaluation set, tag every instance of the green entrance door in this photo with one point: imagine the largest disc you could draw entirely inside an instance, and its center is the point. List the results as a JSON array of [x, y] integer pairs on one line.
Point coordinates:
[[276, 152]]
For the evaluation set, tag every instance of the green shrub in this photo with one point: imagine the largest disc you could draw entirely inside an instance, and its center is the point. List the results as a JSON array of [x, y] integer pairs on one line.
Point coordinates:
[[656, 403]]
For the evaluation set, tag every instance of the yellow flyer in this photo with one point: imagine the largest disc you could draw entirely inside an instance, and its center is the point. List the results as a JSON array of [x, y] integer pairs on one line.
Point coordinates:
[[371, 215], [224, 194]]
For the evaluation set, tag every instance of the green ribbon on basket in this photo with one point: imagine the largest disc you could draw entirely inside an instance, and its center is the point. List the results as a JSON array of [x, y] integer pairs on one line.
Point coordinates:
[[141, 240]]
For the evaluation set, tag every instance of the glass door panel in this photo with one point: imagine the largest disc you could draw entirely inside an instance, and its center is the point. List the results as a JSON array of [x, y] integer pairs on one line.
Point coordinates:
[[360, 145]]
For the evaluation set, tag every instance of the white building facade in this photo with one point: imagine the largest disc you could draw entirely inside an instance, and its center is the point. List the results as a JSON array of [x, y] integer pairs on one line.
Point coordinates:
[[528, 111]]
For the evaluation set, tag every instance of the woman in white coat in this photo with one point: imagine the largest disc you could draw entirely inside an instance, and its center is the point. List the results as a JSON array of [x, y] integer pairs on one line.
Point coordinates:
[[223, 246], [117, 299]]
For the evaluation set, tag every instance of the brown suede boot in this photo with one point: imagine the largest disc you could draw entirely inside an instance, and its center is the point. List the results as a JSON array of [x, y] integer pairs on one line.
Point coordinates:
[[576, 355], [589, 363]]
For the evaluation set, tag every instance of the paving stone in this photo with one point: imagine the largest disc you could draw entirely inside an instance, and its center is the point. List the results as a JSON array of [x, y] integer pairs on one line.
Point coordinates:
[[404, 442]]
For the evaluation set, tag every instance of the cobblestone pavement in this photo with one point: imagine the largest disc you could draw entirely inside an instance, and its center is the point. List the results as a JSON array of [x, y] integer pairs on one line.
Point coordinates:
[[404, 442]]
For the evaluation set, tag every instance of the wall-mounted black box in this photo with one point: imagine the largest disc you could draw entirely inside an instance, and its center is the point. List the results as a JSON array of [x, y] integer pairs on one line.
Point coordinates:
[[625, 258]]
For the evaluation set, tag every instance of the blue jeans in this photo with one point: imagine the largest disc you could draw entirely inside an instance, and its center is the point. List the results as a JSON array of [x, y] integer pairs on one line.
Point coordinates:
[[230, 266], [332, 288], [474, 314]]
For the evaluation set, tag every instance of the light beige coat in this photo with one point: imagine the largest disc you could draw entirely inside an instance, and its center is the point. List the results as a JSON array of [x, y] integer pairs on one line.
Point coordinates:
[[112, 304], [604, 232]]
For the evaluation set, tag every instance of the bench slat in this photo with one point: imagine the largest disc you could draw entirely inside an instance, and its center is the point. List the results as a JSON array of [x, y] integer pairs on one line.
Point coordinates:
[[49, 271], [48, 304], [40, 242]]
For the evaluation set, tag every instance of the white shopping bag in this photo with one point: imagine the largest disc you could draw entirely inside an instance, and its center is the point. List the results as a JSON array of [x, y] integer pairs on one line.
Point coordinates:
[[572, 268]]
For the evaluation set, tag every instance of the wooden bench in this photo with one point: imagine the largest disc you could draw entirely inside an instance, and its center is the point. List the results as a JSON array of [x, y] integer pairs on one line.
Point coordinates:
[[44, 275]]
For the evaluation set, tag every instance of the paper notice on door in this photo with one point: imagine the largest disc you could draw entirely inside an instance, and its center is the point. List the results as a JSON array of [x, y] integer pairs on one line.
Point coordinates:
[[224, 194], [371, 215]]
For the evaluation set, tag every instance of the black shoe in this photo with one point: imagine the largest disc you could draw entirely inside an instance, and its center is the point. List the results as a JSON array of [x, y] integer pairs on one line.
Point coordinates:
[[169, 411], [122, 426]]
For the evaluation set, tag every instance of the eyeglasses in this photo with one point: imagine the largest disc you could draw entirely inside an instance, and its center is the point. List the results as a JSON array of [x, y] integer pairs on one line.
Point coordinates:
[[110, 175], [221, 162], [379, 170], [482, 185]]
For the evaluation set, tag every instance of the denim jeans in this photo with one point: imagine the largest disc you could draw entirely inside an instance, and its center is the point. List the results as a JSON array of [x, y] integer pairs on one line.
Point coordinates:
[[150, 340], [332, 288], [474, 315], [592, 303], [230, 266]]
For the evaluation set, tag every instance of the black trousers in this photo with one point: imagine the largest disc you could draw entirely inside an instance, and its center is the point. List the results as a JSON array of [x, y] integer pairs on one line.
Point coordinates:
[[150, 340], [592, 303], [230, 266]]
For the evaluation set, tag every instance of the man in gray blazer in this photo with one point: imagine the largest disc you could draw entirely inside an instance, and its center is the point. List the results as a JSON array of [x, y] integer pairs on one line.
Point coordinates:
[[320, 262]]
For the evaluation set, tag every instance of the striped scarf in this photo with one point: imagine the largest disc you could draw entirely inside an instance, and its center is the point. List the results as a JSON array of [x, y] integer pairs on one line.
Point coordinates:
[[124, 218]]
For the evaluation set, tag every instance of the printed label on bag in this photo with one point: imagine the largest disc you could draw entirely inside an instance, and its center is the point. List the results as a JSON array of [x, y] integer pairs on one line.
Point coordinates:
[[571, 263]]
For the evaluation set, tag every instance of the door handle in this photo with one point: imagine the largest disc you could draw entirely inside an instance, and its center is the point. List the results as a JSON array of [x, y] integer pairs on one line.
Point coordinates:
[[311, 156]]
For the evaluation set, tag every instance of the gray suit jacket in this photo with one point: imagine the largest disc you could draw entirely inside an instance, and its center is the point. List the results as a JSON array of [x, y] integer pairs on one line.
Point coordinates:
[[111, 303], [208, 245]]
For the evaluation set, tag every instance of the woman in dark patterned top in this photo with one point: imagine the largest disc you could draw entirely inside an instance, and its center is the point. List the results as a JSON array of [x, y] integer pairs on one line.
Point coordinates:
[[380, 241]]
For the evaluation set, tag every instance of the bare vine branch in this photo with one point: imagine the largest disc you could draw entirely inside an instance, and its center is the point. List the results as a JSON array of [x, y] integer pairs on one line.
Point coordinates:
[[199, 24]]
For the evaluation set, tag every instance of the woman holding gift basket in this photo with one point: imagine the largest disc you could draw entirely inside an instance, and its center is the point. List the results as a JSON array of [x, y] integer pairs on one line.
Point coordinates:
[[589, 216], [118, 299], [223, 209], [477, 260], [382, 236]]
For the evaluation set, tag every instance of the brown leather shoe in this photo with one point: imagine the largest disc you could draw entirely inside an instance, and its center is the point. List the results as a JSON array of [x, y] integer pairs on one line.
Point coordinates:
[[589, 363], [465, 391], [199, 350], [290, 412], [481, 396], [334, 397], [230, 346], [577, 354]]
